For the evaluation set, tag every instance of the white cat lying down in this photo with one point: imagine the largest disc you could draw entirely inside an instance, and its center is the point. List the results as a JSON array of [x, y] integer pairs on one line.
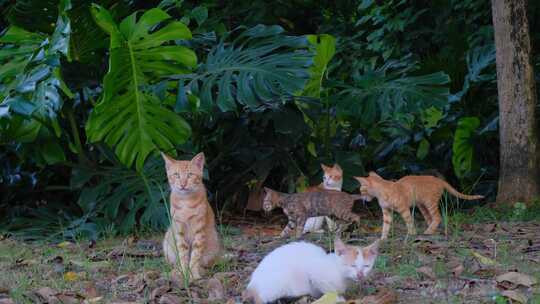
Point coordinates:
[[302, 268]]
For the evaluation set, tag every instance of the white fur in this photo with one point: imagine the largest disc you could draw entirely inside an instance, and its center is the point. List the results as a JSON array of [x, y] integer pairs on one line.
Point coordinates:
[[315, 224], [302, 268]]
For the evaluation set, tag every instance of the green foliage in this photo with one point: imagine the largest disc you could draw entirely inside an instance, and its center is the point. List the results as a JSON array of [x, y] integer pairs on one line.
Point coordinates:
[[122, 197], [259, 65], [463, 148], [128, 116], [32, 87], [90, 92], [387, 91], [325, 48]]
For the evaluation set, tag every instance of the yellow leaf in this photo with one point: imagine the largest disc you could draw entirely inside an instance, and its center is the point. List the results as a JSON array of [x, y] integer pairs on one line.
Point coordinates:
[[65, 244], [70, 276], [327, 298], [483, 259]]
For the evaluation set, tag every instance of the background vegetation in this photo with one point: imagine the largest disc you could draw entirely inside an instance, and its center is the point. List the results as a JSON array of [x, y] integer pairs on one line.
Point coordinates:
[[91, 91]]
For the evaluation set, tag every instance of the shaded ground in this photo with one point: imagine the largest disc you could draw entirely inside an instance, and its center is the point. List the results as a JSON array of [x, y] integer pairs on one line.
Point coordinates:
[[461, 267]]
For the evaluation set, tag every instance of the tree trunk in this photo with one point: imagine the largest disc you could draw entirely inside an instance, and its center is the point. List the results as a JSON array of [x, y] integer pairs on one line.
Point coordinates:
[[519, 175]]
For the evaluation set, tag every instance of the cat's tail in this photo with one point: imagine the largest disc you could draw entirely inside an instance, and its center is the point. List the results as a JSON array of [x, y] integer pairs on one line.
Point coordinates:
[[456, 193], [251, 296]]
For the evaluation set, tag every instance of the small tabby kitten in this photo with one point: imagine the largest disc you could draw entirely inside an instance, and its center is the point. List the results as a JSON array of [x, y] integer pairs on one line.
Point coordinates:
[[299, 206], [302, 268], [332, 180], [422, 191], [192, 236]]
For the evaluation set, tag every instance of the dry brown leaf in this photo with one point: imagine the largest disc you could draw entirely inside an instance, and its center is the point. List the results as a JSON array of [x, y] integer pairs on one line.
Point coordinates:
[[170, 299], [517, 278], [427, 271], [383, 296], [486, 273], [489, 227], [159, 292], [456, 267], [151, 275], [215, 290], [25, 262], [46, 294], [68, 298], [90, 291], [93, 300], [515, 295]]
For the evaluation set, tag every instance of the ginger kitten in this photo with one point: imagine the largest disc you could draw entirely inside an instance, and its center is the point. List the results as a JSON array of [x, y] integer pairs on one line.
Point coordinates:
[[422, 191], [332, 180], [302, 268], [192, 236], [300, 206]]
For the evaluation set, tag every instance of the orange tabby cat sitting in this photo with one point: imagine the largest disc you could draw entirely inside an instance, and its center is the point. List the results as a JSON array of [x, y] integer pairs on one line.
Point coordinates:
[[422, 191], [192, 241], [332, 179]]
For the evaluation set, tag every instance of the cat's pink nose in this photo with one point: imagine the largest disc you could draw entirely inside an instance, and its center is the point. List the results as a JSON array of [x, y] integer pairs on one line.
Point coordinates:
[[360, 275]]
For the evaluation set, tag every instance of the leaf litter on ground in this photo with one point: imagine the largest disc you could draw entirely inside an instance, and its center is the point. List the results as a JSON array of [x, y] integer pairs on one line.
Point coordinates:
[[419, 269]]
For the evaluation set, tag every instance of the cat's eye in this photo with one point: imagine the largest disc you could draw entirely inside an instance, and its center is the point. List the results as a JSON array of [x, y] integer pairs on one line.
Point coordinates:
[[176, 175], [190, 174]]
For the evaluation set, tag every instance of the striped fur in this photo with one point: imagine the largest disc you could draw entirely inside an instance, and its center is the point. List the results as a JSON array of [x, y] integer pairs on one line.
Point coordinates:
[[191, 242], [332, 180], [421, 191], [299, 206]]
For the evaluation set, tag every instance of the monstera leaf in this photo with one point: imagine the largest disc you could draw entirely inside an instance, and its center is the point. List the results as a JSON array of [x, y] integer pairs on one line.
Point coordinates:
[[389, 90], [259, 65], [30, 69], [463, 148], [130, 117], [325, 48], [31, 86]]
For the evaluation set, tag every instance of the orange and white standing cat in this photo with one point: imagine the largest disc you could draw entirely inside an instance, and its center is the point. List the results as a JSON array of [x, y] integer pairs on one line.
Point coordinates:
[[332, 180], [191, 242], [422, 191]]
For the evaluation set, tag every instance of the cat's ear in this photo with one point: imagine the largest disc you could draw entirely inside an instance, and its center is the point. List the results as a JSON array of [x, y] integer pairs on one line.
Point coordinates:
[[374, 174], [198, 161], [168, 160], [325, 168], [337, 167], [362, 180], [339, 246], [372, 249]]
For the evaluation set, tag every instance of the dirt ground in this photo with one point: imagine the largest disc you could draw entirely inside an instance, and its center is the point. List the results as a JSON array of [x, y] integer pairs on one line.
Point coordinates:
[[464, 263]]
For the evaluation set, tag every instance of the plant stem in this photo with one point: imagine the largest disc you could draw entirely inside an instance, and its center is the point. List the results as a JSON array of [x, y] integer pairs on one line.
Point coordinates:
[[76, 136]]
